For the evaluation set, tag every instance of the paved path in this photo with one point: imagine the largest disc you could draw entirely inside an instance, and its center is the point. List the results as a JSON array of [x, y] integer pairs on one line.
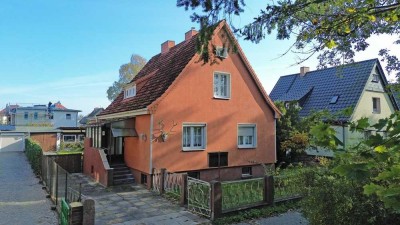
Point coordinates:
[[22, 200], [133, 204], [289, 218]]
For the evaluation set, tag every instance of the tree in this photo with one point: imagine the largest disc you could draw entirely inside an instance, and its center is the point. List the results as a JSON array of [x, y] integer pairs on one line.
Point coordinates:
[[126, 73], [335, 29]]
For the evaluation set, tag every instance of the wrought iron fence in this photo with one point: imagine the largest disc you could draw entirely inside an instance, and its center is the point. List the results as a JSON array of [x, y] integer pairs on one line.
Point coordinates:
[[173, 184], [199, 196], [236, 194], [59, 183], [286, 187]]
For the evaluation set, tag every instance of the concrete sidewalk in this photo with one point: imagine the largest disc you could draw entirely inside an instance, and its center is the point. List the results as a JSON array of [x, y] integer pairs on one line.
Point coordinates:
[[133, 204], [22, 200]]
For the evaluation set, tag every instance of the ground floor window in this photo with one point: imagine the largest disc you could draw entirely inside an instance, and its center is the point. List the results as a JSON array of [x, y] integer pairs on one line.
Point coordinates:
[[193, 137], [69, 138], [247, 171], [194, 174], [247, 136], [143, 178], [218, 159]]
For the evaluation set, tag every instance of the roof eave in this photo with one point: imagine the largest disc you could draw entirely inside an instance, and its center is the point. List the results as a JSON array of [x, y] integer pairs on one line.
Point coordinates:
[[126, 114]]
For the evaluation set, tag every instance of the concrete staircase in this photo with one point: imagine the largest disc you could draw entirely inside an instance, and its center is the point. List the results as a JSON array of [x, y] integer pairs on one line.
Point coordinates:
[[122, 174]]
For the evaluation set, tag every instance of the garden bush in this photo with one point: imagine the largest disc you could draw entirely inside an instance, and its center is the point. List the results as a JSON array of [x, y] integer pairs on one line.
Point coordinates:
[[33, 152], [335, 200]]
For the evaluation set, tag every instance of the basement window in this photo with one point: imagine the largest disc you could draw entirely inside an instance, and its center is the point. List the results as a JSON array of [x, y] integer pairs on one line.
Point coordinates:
[[334, 99]]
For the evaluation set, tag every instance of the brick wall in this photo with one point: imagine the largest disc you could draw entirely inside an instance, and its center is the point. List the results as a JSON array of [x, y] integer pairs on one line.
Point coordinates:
[[94, 165]]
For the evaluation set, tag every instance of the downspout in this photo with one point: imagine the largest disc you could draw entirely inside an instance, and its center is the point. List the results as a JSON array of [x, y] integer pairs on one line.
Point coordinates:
[[275, 139], [344, 136], [151, 144]]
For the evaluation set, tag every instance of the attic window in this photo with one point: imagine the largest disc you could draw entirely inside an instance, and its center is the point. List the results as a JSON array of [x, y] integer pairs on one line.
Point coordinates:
[[221, 52], [375, 78], [334, 99], [130, 92]]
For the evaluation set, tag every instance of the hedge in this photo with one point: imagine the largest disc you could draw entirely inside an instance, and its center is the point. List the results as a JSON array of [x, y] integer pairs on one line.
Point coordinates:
[[33, 152]]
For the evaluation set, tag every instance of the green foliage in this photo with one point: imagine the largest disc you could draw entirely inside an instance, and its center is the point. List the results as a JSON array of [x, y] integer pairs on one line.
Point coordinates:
[[334, 29], [72, 147], [334, 199], [250, 214], [363, 185], [126, 73], [33, 152], [237, 194]]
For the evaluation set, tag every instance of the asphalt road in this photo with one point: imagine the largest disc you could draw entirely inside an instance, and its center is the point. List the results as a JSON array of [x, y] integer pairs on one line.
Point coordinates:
[[22, 200]]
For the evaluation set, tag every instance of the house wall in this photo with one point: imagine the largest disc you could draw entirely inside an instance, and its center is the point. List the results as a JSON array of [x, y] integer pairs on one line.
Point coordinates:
[[137, 149], [46, 140], [59, 119], [191, 100]]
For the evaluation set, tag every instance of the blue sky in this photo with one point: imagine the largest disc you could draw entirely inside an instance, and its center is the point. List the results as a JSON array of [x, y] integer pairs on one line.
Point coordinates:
[[71, 51]]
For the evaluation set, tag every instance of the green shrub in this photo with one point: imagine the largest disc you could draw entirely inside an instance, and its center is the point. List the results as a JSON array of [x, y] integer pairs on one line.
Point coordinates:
[[33, 152], [73, 146], [335, 200]]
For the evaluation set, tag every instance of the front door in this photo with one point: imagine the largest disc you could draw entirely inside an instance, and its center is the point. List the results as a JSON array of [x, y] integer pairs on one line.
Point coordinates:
[[119, 149]]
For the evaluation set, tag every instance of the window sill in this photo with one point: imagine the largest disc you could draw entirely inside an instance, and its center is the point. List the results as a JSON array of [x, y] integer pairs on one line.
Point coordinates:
[[247, 176], [246, 147], [222, 98], [193, 150], [376, 112]]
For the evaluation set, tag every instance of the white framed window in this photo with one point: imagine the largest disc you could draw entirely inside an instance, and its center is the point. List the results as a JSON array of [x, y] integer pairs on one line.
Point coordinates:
[[222, 85], [81, 137], [194, 136], [376, 105], [26, 115], [375, 78], [247, 136], [69, 138], [35, 115], [68, 116], [130, 92]]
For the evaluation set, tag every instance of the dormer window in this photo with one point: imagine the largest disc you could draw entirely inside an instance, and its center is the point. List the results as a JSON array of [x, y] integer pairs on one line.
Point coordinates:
[[375, 78], [130, 92]]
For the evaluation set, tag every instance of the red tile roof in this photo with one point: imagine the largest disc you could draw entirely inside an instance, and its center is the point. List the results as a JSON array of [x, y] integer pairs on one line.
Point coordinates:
[[155, 77]]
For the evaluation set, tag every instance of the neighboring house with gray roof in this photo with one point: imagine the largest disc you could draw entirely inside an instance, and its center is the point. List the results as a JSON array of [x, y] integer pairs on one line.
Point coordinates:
[[359, 86], [91, 117]]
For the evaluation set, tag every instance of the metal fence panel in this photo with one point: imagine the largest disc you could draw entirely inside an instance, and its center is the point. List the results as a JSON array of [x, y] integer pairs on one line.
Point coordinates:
[[173, 184], [199, 196], [287, 187], [237, 194]]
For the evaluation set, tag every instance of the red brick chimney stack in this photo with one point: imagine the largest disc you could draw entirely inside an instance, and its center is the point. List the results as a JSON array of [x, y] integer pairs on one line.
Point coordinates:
[[190, 34], [166, 46]]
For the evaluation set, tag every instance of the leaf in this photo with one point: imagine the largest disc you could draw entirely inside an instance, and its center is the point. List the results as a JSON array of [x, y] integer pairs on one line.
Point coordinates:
[[362, 123], [372, 18], [372, 188], [330, 44], [380, 149], [351, 10]]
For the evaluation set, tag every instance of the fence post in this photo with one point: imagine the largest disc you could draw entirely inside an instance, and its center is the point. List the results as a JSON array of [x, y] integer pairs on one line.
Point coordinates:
[[216, 199], [162, 180], [76, 213], [183, 197], [89, 212], [269, 189]]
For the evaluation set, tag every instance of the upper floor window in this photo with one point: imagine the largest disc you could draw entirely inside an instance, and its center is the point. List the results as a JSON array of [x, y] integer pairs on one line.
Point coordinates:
[[222, 85], [130, 92], [247, 136], [68, 116], [375, 78], [376, 105], [26, 115], [194, 136], [35, 116]]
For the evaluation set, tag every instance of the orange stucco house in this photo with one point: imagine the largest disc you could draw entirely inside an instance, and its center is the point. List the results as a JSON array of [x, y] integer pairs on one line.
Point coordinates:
[[212, 121]]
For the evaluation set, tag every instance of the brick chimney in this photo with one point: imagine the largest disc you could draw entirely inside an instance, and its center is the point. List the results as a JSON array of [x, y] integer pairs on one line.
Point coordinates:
[[304, 70], [190, 34], [166, 46]]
